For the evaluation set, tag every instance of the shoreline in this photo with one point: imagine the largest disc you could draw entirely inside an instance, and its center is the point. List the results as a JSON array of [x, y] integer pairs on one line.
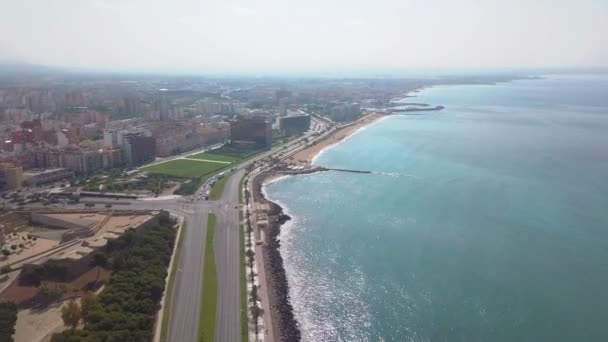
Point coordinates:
[[308, 155], [285, 327], [284, 323]]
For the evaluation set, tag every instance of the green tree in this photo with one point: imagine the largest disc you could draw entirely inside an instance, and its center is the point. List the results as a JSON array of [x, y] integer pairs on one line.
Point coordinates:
[[71, 314], [49, 294], [88, 304], [5, 269]]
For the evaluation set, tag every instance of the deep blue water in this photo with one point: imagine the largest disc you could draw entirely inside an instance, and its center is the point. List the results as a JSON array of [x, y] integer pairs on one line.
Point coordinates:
[[487, 221]]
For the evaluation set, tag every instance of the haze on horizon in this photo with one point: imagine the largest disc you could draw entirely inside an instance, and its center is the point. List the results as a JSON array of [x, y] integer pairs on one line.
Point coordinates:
[[314, 35]]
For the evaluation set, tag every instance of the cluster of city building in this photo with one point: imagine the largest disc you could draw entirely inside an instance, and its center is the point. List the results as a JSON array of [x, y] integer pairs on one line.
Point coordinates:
[[56, 128]]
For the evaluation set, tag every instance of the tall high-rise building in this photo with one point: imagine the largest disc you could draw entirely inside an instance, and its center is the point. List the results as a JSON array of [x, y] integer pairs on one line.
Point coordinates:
[[138, 148], [11, 176], [283, 107], [294, 124], [256, 129], [131, 105], [112, 157]]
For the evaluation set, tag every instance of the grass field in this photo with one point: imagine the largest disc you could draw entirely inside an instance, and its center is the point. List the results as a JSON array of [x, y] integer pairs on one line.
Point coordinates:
[[218, 188], [214, 157], [185, 168], [235, 152], [206, 327]]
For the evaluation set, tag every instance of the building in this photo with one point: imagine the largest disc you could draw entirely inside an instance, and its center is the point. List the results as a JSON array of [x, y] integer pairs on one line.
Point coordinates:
[[294, 124], [283, 107], [11, 176], [53, 158], [213, 133], [223, 108], [174, 137], [112, 137], [84, 116], [37, 177], [93, 161], [255, 129], [112, 157], [131, 106], [343, 111], [82, 161], [138, 148], [91, 131], [72, 158]]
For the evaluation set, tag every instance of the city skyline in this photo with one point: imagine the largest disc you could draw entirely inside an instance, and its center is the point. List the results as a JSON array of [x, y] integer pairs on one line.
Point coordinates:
[[277, 37]]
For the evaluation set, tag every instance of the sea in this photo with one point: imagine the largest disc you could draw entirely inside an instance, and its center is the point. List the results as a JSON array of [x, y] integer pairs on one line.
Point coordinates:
[[486, 221]]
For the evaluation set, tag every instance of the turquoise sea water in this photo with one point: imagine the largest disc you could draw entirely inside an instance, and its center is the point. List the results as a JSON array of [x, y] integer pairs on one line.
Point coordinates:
[[487, 221]]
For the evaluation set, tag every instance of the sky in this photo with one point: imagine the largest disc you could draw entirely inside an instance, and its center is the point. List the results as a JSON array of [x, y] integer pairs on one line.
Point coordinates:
[[304, 35]]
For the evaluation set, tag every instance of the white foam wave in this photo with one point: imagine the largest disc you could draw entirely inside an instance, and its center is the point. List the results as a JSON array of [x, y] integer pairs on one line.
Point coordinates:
[[272, 181], [394, 174]]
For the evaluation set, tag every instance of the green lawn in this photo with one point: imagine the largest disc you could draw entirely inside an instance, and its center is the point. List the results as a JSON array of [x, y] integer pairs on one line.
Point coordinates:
[[218, 188], [235, 152], [185, 168], [215, 157], [165, 323], [206, 327]]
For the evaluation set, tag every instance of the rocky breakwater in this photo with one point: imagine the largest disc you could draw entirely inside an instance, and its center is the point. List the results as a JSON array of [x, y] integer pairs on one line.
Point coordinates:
[[285, 326], [415, 109]]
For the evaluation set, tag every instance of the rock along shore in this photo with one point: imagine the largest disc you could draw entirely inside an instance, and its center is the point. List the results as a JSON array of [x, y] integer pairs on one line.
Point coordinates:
[[285, 326]]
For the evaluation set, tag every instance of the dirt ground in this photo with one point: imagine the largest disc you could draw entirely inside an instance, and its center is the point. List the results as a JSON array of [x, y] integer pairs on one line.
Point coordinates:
[[38, 325], [22, 295], [31, 248], [35, 325]]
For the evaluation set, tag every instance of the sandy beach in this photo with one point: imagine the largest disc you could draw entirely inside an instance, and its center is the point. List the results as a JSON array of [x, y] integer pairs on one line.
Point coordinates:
[[305, 156]]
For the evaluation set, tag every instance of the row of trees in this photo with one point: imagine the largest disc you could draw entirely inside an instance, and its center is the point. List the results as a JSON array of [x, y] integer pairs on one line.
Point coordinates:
[[254, 296], [8, 318], [126, 309]]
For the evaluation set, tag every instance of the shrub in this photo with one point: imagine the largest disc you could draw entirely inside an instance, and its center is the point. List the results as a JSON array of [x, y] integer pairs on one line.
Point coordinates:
[[49, 294], [8, 318]]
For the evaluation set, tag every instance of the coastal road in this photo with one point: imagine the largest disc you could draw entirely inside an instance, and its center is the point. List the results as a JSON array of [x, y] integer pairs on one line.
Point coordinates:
[[186, 297], [187, 291], [227, 256]]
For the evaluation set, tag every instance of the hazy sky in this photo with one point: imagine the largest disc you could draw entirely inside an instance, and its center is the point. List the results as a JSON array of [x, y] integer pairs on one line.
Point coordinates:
[[304, 35]]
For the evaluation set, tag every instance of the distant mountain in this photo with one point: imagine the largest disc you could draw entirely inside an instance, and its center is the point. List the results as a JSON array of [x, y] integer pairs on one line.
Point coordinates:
[[15, 68]]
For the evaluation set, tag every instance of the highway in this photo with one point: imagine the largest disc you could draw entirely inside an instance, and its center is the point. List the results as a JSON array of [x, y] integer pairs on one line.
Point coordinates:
[[186, 297], [187, 291], [228, 328]]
